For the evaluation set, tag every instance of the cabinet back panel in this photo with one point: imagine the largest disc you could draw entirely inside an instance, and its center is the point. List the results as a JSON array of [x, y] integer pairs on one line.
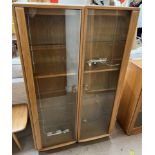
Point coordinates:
[[46, 29], [51, 86], [105, 80], [49, 59]]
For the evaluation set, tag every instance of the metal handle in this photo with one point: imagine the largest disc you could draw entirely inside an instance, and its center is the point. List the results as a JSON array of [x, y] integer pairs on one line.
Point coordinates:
[[95, 61], [100, 61]]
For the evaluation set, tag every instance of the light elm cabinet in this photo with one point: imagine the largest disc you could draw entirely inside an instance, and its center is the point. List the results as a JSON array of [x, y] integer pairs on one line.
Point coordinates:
[[74, 60], [130, 110]]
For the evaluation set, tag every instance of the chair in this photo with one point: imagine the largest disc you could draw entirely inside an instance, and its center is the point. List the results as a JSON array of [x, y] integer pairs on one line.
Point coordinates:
[[19, 120]]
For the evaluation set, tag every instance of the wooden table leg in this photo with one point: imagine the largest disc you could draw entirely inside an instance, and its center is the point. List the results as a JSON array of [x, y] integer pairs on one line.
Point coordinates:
[[16, 140]]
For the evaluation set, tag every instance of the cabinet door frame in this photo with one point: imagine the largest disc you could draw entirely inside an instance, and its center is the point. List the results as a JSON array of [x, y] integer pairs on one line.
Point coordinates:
[[127, 49], [24, 50]]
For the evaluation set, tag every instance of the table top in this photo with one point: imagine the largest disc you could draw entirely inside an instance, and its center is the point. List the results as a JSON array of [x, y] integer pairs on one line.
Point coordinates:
[[19, 117]]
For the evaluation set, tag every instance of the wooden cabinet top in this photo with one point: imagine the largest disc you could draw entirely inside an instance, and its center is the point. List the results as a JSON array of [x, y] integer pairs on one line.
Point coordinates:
[[47, 4], [138, 63]]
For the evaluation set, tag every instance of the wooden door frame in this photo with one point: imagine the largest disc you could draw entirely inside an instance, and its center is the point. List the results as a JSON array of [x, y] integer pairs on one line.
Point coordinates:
[[24, 50], [83, 38], [126, 55], [23, 45], [128, 46]]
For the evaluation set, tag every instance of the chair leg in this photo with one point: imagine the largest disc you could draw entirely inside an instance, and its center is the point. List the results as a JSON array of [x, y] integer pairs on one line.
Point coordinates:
[[16, 141]]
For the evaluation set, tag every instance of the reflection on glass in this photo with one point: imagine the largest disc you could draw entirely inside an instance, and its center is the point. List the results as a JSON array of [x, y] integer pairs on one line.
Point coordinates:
[[54, 37]]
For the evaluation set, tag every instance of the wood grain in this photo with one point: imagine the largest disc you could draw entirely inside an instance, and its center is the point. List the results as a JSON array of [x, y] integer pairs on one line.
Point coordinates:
[[128, 46], [23, 69], [131, 102], [27, 63], [99, 43], [19, 117], [28, 70]]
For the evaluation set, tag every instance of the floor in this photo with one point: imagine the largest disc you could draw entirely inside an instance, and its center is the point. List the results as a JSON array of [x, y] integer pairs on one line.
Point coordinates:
[[117, 144]]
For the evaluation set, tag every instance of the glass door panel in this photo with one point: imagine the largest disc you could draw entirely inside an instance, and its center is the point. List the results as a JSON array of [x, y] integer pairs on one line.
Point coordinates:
[[106, 35], [54, 38]]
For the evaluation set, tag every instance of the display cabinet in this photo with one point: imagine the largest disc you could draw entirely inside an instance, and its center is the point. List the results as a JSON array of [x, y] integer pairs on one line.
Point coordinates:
[[130, 110], [74, 60]]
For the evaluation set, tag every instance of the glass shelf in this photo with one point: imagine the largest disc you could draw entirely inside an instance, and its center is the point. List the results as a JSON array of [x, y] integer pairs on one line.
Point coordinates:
[[107, 13], [54, 75], [100, 90], [100, 68]]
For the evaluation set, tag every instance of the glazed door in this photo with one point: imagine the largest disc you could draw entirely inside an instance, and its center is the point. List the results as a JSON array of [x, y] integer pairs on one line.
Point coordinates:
[[104, 42], [54, 41]]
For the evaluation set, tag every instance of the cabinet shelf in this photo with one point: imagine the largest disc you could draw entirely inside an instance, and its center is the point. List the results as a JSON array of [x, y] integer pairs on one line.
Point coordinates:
[[54, 75], [50, 12], [100, 90], [113, 14], [105, 41], [101, 70], [48, 94], [42, 47], [98, 69]]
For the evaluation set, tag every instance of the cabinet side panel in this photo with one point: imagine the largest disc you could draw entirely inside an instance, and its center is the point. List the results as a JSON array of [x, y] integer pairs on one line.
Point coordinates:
[[130, 96], [28, 71], [128, 46], [23, 70]]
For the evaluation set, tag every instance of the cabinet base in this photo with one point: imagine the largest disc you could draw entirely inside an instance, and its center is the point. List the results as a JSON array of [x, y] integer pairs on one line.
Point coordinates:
[[57, 146], [94, 138], [134, 131]]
